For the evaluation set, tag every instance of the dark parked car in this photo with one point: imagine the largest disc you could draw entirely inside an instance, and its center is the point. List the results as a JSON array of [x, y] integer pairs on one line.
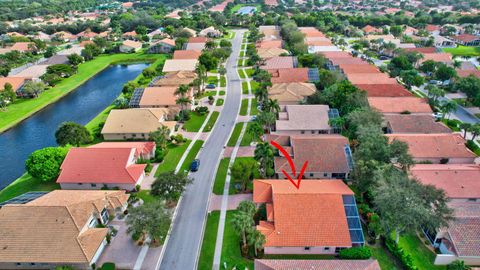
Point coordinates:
[[195, 165], [211, 86]]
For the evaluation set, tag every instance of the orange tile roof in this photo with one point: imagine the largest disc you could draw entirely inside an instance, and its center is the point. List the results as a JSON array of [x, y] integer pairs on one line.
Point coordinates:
[[466, 37], [279, 62], [141, 148], [289, 75], [437, 57], [371, 29], [346, 60], [317, 264], [370, 78], [168, 41], [425, 146], [22, 46], [399, 104], [384, 90], [414, 123], [16, 82], [311, 32], [339, 54], [186, 54], [266, 44], [159, 97], [294, 224], [422, 50], [466, 73], [358, 68], [460, 181], [197, 40]]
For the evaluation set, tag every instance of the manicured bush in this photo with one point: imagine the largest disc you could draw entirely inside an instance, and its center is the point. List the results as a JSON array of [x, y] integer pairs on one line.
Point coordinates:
[[355, 253], [44, 164], [402, 256], [108, 266]]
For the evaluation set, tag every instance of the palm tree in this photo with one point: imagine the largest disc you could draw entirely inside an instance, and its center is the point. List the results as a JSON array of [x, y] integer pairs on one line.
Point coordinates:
[[196, 84], [256, 239], [202, 74], [434, 93], [466, 127], [267, 120], [247, 207], [448, 107], [261, 94], [264, 155], [475, 129], [255, 130], [242, 223], [271, 105]]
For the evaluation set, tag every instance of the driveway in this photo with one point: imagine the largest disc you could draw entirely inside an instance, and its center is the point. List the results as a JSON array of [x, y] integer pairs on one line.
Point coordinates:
[[185, 240]]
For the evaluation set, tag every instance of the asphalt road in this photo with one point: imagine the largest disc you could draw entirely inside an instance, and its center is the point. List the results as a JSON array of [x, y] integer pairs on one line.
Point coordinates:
[[186, 238]]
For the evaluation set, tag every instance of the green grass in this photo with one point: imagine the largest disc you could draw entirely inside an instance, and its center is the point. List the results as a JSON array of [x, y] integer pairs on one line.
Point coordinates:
[[212, 79], [422, 257], [244, 107], [249, 72], [254, 85], [205, 262], [242, 54], [244, 87], [235, 134], [464, 51], [175, 153], [385, 259], [207, 93], [244, 46], [223, 81], [247, 138], [241, 73], [231, 253], [191, 155], [256, 174], [26, 183], [230, 35], [195, 122], [253, 107], [221, 176], [240, 63], [211, 121], [95, 125], [146, 196], [222, 93], [220, 102], [23, 108]]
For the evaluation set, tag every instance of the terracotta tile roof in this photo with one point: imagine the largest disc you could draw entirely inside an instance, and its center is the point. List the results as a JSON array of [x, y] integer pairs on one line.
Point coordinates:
[[466, 73], [339, 54], [16, 82], [358, 68], [414, 123], [132, 44], [266, 53], [317, 265], [172, 65], [85, 43], [434, 145], [464, 230], [437, 57], [100, 166], [168, 41], [22, 46], [325, 153], [422, 50], [346, 60], [138, 120], [399, 104], [129, 34], [186, 54], [311, 32], [292, 226], [371, 78], [266, 44], [51, 230], [159, 97], [197, 40], [176, 78], [271, 2], [466, 37], [195, 46], [371, 29], [289, 75], [141, 148], [303, 117], [384, 90], [460, 181], [288, 93], [278, 62]]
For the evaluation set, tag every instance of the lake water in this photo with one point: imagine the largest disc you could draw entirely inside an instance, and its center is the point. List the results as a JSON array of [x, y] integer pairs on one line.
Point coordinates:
[[79, 106]]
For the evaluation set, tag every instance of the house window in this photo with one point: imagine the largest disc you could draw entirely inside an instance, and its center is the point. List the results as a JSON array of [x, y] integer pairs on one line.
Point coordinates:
[[306, 248], [313, 131], [326, 248], [80, 184], [93, 185], [472, 199], [325, 174], [311, 174], [302, 132]]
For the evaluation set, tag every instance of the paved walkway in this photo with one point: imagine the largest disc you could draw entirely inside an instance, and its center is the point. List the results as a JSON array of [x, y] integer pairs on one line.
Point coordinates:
[[243, 151], [148, 180], [191, 135], [233, 201]]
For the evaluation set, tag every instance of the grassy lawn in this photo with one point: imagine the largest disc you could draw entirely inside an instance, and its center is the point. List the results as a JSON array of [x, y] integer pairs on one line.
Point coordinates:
[[146, 196], [386, 260], [422, 257], [254, 86], [212, 79], [195, 122], [463, 51], [249, 72], [26, 183], [256, 174], [230, 34], [235, 134], [221, 176], [253, 107], [220, 102], [247, 138], [222, 93], [231, 254], [211, 121], [24, 108], [242, 54], [241, 73], [244, 87], [205, 262], [191, 155], [207, 93], [244, 107], [172, 158], [223, 81], [244, 46], [240, 63], [94, 126]]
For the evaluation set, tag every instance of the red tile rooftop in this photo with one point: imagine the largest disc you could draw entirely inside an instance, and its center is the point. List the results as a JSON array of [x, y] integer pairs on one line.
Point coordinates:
[[316, 264], [278, 62], [358, 68], [269, 44], [186, 54], [384, 90], [399, 104], [371, 78], [414, 123], [339, 54], [288, 75], [346, 60], [422, 50]]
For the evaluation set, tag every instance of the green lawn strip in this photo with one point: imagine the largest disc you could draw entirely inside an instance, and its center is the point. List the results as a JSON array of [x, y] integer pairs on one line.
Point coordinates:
[[220, 102], [247, 138], [172, 158], [195, 122], [231, 254], [422, 257], [26, 183], [463, 51], [244, 107], [253, 107], [24, 108], [221, 176], [235, 134], [222, 93], [253, 86], [191, 155], [205, 262], [223, 81], [385, 259], [146, 196], [244, 46], [240, 63], [242, 54], [249, 72], [241, 74], [244, 87], [95, 125], [207, 93], [256, 174], [212, 79], [212, 120]]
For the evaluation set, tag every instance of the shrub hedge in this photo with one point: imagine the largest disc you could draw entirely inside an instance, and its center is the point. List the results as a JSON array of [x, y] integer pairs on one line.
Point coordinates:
[[355, 253]]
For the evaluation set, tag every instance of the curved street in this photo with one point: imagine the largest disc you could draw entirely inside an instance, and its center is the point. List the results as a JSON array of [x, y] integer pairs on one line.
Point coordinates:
[[184, 244]]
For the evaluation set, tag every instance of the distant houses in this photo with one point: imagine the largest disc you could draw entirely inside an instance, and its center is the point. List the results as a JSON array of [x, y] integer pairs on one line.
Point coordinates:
[[130, 46]]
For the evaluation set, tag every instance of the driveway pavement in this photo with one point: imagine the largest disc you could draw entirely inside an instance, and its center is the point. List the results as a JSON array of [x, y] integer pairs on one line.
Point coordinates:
[[186, 237], [233, 201]]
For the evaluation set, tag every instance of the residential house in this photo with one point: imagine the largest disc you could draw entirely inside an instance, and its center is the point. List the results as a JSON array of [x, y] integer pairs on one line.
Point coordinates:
[[270, 32], [436, 148], [32, 72], [23, 46], [130, 35], [290, 75], [469, 72], [186, 54], [267, 44], [192, 32], [326, 209], [86, 35], [370, 78], [441, 41], [433, 29], [384, 90], [445, 58], [165, 45], [279, 62], [195, 46], [459, 181], [130, 46], [198, 40], [162, 97], [466, 40], [143, 150], [368, 29], [55, 60], [305, 119], [358, 68], [291, 93], [328, 156], [58, 229], [280, 264], [15, 82], [210, 32], [413, 124], [176, 78], [266, 53], [173, 65], [137, 123], [96, 168], [400, 105], [422, 50]]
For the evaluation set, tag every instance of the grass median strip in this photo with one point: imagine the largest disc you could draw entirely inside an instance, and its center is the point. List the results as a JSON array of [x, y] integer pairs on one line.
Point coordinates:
[[245, 88], [244, 107], [220, 102], [191, 155], [253, 107], [175, 153], [205, 262], [235, 134], [211, 121], [221, 176]]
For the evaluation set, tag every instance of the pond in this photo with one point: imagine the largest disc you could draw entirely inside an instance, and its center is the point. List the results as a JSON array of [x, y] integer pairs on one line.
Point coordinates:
[[80, 106]]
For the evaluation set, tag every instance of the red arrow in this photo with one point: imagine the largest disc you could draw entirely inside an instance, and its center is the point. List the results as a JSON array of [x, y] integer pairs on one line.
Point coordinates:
[[292, 166]]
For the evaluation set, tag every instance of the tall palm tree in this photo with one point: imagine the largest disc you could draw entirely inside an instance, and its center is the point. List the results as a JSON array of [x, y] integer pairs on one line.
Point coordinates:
[[196, 84], [242, 223], [247, 207], [255, 130], [202, 74], [271, 105], [267, 120], [448, 107], [261, 94], [256, 239], [264, 155]]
